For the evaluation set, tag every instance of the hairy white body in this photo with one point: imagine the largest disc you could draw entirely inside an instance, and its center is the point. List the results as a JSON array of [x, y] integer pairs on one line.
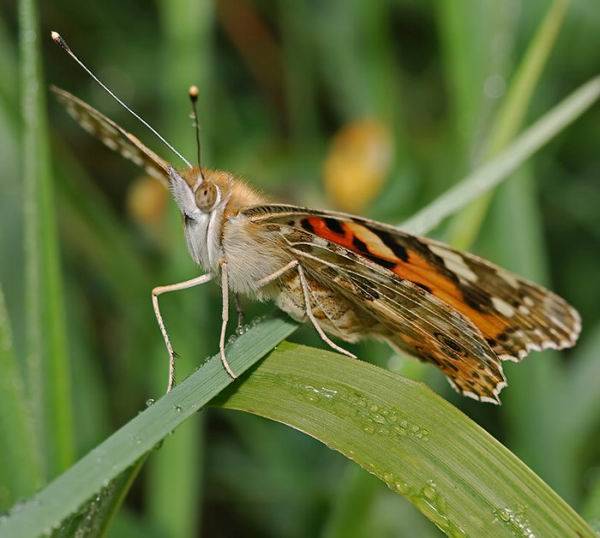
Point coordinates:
[[248, 260]]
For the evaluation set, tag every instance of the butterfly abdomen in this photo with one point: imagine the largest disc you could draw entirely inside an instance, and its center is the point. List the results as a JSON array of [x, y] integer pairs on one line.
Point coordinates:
[[336, 314]]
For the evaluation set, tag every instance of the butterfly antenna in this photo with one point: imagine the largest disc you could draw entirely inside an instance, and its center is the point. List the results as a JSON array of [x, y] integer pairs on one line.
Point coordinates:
[[56, 37], [193, 94]]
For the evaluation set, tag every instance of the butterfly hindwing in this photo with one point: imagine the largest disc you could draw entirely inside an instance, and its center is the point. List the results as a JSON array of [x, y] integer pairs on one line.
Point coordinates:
[[112, 135]]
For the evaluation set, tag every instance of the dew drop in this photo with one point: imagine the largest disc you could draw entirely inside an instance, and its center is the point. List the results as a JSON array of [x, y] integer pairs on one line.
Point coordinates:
[[376, 417], [429, 491]]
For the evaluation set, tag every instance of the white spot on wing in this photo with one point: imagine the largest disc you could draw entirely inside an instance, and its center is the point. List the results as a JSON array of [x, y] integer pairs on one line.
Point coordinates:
[[72, 111], [509, 278], [151, 171], [460, 269], [111, 143], [87, 125], [454, 262], [503, 307], [126, 152]]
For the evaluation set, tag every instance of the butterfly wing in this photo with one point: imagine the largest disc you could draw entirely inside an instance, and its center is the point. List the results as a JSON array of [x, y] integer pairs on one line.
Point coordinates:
[[401, 312], [113, 136], [436, 295]]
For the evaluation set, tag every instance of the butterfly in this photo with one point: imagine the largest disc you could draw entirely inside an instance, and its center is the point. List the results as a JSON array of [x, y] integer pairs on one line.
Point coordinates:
[[350, 277]]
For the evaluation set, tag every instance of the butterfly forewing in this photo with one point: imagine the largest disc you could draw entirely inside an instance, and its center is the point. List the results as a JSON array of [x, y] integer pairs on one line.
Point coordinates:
[[113, 136], [452, 309]]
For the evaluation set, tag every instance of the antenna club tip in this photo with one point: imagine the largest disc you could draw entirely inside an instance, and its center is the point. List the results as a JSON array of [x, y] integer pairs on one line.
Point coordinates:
[[193, 92], [57, 38]]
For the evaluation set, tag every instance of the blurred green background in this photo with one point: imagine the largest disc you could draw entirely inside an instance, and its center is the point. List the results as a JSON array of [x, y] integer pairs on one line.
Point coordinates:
[[297, 97]]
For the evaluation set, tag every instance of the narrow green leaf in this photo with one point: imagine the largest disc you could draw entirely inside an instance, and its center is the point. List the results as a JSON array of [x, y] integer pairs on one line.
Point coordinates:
[[20, 467], [500, 167], [511, 115], [48, 379], [45, 511], [425, 449], [93, 519]]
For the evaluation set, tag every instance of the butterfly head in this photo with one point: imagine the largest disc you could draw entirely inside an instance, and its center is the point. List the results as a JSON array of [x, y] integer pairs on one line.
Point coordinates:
[[200, 192]]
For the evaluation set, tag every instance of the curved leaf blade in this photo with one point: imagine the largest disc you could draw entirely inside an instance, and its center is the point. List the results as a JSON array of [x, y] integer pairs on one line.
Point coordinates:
[[424, 448]]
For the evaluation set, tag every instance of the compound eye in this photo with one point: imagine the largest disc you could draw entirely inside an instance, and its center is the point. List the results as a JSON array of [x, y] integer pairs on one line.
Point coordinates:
[[206, 195]]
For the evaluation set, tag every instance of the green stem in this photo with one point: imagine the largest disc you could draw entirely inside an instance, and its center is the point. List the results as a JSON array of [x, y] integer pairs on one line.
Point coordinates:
[[48, 375]]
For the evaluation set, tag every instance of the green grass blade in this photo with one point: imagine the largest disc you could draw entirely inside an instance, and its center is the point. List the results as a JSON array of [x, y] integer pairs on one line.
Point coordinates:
[[20, 465], [500, 167], [93, 519], [511, 115], [67, 493], [48, 379], [425, 449]]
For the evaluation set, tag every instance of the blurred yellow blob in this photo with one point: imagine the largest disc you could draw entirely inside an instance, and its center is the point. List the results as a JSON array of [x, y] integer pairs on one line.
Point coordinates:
[[358, 162], [146, 202]]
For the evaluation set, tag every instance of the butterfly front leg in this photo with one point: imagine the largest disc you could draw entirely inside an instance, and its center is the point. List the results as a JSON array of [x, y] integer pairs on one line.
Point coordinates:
[[159, 290], [225, 317], [225, 312]]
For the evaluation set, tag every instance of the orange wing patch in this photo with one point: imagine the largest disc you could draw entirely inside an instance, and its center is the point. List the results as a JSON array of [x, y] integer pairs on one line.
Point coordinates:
[[426, 275], [514, 316], [409, 265]]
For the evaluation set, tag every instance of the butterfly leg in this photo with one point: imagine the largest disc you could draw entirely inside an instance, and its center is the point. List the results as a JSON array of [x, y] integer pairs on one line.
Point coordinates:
[[240, 313], [159, 290], [225, 318], [274, 276], [309, 313]]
